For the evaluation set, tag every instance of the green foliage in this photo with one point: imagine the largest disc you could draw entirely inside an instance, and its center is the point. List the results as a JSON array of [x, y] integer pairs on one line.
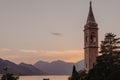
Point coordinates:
[[9, 76], [110, 44]]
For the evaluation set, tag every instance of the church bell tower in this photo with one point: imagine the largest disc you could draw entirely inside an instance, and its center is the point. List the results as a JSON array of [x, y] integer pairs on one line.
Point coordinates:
[[90, 40]]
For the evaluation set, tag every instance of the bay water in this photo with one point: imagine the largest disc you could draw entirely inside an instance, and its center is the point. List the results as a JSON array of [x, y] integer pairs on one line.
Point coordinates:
[[52, 77]]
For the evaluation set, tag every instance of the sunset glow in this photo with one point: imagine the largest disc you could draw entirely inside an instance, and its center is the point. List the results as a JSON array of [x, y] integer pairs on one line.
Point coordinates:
[[49, 30]]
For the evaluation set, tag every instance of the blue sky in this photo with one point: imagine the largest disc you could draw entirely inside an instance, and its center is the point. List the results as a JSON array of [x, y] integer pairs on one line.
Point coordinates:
[[28, 28]]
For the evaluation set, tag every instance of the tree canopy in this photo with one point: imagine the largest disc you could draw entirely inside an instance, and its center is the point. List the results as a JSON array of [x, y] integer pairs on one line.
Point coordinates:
[[110, 44], [77, 75], [107, 65], [9, 76]]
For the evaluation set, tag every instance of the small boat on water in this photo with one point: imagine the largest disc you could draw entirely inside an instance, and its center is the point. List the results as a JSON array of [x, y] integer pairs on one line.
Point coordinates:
[[46, 79]]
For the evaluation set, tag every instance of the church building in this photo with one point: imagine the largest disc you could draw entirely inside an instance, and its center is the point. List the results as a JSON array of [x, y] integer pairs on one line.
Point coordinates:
[[90, 40]]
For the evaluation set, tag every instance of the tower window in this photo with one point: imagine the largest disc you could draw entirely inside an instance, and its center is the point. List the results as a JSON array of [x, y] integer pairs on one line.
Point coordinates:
[[86, 39], [86, 65], [92, 38]]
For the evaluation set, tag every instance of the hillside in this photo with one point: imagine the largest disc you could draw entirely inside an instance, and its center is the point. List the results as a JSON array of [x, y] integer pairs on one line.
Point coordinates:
[[58, 67], [21, 69]]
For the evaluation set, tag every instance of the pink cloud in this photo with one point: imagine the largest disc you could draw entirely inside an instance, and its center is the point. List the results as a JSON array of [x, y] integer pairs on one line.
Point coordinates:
[[5, 50], [28, 51]]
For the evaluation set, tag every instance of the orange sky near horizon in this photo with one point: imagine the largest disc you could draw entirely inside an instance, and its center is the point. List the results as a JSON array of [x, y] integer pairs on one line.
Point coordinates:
[[32, 56]]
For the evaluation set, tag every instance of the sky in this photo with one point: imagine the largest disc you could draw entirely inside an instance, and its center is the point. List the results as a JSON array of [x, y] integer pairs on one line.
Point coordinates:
[[48, 30]]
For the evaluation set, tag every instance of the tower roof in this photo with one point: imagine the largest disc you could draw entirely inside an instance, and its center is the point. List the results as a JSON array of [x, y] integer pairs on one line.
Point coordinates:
[[90, 14]]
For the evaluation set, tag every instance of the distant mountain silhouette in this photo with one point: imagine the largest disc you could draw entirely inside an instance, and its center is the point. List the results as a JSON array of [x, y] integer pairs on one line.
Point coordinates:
[[21, 69], [58, 67], [80, 65], [40, 67], [29, 68]]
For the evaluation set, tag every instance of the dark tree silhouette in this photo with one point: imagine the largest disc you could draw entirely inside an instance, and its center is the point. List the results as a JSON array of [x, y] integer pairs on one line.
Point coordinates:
[[75, 75], [82, 74], [8, 76], [110, 44], [107, 65]]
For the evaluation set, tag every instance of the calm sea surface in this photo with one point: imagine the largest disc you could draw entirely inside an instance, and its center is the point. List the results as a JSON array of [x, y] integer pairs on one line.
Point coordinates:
[[42, 77]]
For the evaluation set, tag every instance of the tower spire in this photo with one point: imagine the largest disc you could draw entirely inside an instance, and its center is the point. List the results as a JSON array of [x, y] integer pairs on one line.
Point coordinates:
[[90, 14], [90, 40]]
